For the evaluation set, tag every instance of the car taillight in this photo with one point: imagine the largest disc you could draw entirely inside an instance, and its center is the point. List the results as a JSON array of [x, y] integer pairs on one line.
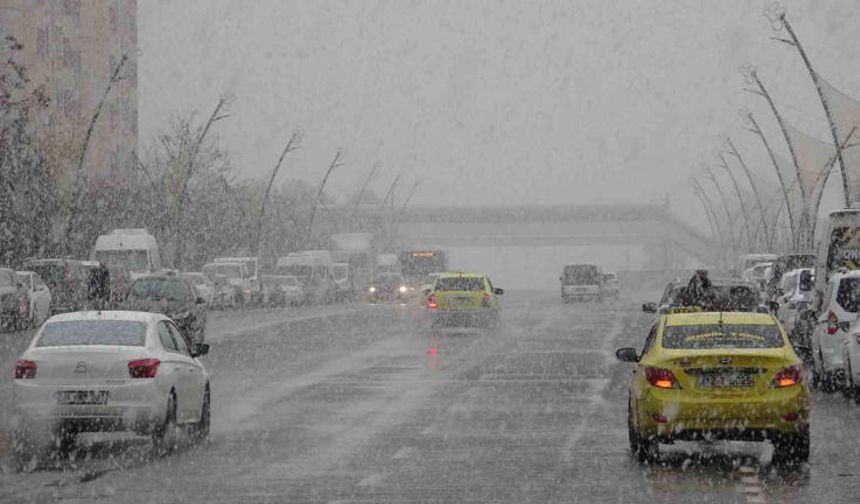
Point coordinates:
[[486, 299], [787, 377], [661, 378], [143, 368], [431, 302], [832, 323], [25, 369]]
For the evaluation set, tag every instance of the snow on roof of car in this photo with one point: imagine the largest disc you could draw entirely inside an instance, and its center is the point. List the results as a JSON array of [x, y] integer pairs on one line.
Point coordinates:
[[108, 315]]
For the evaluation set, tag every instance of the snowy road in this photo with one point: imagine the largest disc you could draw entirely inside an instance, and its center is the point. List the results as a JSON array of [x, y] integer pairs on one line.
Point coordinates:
[[360, 404]]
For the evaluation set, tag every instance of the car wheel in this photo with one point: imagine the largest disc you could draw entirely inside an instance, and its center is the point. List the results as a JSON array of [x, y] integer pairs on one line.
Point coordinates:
[[645, 449], [791, 448], [200, 430], [164, 438], [847, 381]]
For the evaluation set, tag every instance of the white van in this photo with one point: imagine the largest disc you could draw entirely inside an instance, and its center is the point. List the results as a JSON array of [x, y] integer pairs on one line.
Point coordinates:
[[314, 269], [135, 249], [839, 247]]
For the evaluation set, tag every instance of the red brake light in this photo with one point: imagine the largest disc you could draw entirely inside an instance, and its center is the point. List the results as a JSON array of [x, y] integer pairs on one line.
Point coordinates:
[[832, 323], [486, 299], [143, 368], [661, 378], [431, 302], [786, 377], [25, 369]]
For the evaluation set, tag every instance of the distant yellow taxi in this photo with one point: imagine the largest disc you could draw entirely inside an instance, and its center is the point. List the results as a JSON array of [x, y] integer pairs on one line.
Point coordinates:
[[463, 299], [711, 375]]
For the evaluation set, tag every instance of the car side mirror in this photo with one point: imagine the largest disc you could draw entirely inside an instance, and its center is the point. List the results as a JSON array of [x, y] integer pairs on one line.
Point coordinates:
[[649, 307], [497, 291], [201, 349], [627, 355], [804, 352], [200, 300]]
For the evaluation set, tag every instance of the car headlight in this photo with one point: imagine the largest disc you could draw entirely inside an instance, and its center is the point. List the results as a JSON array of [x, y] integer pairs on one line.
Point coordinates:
[[403, 289], [372, 289]]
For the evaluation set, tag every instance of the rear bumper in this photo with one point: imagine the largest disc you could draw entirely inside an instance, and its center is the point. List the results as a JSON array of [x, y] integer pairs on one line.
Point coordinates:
[[137, 407], [674, 414], [476, 318]]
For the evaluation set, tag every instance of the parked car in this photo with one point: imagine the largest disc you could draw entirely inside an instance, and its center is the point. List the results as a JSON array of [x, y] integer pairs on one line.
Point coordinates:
[[204, 288], [66, 281], [282, 290], [39, 296], [14, 302], [109, 370], [793, 300], [838, 311], [253, 284], [173, 296]]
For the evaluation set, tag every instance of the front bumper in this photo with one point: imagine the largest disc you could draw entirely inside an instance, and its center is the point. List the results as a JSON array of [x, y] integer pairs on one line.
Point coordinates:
[[676, 414]]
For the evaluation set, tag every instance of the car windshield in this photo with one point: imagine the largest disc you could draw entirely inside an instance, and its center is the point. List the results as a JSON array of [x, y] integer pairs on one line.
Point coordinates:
[[459, 284], [389, 280], [92, 332], [171, 289], [133, 260], [300, 270], [229, 270], [700, 337]]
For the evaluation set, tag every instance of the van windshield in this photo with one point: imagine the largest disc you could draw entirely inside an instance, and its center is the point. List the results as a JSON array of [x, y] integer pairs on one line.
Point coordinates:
[[133, 260]]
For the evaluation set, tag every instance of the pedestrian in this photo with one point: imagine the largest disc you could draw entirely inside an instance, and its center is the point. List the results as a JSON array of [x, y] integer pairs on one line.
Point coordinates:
[[98, 292]]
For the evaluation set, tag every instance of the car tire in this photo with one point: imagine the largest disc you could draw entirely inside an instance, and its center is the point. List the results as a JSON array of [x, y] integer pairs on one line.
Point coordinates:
[[645, 450], [165, 436], [200, 430], [791, 448]]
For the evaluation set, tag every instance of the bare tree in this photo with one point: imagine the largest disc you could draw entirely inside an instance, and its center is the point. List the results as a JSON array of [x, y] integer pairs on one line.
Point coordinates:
[[292, 144]]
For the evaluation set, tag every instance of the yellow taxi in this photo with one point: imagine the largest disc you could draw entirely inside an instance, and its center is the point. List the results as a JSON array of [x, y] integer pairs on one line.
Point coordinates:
[[718, 375], [463, 299]]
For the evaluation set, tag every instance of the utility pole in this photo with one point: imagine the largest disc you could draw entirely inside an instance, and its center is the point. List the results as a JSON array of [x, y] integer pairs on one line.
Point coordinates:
[[782, 21], [768, 239], [292, 144], [725, 166], [755, 129], [334, 164]]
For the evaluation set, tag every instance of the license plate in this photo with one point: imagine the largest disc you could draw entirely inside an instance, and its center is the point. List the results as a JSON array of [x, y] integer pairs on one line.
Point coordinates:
[[727, 379], [82, 397], [460, 301]]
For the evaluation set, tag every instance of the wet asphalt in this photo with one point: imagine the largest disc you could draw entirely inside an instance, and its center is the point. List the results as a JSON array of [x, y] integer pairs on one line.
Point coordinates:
[[354, 403]]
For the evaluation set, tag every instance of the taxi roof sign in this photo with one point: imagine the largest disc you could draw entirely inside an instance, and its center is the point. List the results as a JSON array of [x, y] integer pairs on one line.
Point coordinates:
[[685, 309]]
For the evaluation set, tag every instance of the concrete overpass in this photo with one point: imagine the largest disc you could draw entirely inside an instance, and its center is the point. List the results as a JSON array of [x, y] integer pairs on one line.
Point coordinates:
[[652, 226]]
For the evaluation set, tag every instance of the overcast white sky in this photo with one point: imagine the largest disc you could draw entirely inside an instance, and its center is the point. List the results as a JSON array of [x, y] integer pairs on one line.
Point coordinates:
[[489, 102]]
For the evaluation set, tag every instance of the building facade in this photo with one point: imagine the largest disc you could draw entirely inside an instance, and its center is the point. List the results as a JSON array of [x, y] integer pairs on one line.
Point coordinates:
[[71, 47]]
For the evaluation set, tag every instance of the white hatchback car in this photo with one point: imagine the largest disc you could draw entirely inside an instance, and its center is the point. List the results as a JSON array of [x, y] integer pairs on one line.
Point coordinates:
[[110, 370], [838, 310]]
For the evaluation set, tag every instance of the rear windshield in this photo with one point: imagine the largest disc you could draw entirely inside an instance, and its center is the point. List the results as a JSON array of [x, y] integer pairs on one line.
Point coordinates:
[[172, 289], [722, 336], [581, 275], [848, 295], [93, 332], [460, 284], [389, 279]]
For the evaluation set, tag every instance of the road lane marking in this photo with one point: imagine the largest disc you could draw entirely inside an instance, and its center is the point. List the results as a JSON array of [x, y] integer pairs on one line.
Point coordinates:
[[371, 480], [595, 397], [752, 487]]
